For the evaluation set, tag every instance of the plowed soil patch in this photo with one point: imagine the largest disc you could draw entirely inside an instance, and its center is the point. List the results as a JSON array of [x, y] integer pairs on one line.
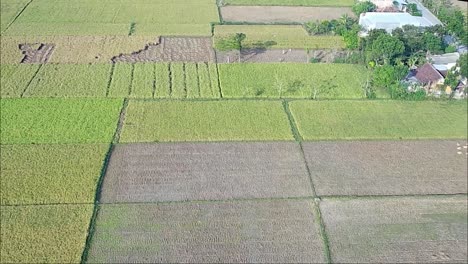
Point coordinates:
[[205, 171], [397, 230], [388, 167], [227, 232]]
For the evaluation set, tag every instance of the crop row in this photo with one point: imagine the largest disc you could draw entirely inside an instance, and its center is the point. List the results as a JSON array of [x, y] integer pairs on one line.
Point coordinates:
[[164, 80]]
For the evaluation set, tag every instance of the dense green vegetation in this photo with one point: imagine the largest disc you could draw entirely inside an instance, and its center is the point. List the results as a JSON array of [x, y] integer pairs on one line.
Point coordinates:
[[50, 174], [28, 121], [291, 2], [44, 234], [70, 80], [15, 78], [148, 121], [292, 80], [338, 120], [278, 37], [109, 17]]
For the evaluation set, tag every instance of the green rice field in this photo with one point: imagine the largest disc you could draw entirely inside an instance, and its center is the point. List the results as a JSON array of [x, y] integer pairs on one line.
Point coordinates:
[[279, 37], [50, 173], [110, 17], [346, 120], [205, 121], [36, 121], [292, 80], [44, 233]]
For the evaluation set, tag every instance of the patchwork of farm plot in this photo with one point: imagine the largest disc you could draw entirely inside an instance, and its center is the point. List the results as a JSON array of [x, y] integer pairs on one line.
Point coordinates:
[[130, 141]]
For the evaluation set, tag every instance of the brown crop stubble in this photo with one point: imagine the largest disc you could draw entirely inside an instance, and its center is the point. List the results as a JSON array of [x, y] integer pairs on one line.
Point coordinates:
[[205, 171], [279, 231], [397, 229], [387, 167]]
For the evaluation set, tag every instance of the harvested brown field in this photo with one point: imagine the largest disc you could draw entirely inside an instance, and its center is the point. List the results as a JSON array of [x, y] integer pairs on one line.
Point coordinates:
[[397, 229], [282, 231], [277, 14], [183, 49], [388, 167], [204, 171]]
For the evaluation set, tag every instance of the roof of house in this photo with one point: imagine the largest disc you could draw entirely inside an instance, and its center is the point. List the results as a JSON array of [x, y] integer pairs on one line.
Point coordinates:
[[447, 58], [427, 74], [390, 21]]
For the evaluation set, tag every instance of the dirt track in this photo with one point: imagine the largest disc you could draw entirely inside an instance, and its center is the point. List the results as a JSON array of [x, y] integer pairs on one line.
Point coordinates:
[[277, 14]]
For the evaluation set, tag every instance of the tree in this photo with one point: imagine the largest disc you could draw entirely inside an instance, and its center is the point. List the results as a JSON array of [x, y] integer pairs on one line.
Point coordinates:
[[318, 27], [463, 64], [371, 37], [231, 42], [351, 37], [384, 76], [279, 83], [386, 48], [433, 43], [451, 79], [413, 10], [324, 87], [362, 7]]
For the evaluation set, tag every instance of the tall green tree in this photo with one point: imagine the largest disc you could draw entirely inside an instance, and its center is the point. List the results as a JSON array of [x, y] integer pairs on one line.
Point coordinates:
[[463, 64], [385, 49], [362, 7]]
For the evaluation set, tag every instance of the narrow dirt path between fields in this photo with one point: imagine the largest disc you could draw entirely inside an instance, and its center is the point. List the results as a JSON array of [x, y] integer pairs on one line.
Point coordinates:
[[281, 14]]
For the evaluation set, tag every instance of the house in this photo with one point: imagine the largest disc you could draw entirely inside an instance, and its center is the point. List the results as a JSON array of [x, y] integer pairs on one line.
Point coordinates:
[[427, 75], [444, 62], [390, 21]]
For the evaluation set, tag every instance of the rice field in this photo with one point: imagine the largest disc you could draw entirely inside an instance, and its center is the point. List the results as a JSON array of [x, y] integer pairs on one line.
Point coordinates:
[[10, 9], [125, 138], [15, 79], [208, 232], [372, 120], [292, 80], [110, 17], [387, 167], [50, 174], [70, 80], [278, 37], [168, 121], [397, 230], [44, 233], [75, 49], [42, 121], [164, 80], [180, 172], [334, 3]]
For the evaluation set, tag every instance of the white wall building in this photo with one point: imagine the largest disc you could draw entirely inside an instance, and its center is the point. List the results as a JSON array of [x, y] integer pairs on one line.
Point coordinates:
[[390, 21]]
